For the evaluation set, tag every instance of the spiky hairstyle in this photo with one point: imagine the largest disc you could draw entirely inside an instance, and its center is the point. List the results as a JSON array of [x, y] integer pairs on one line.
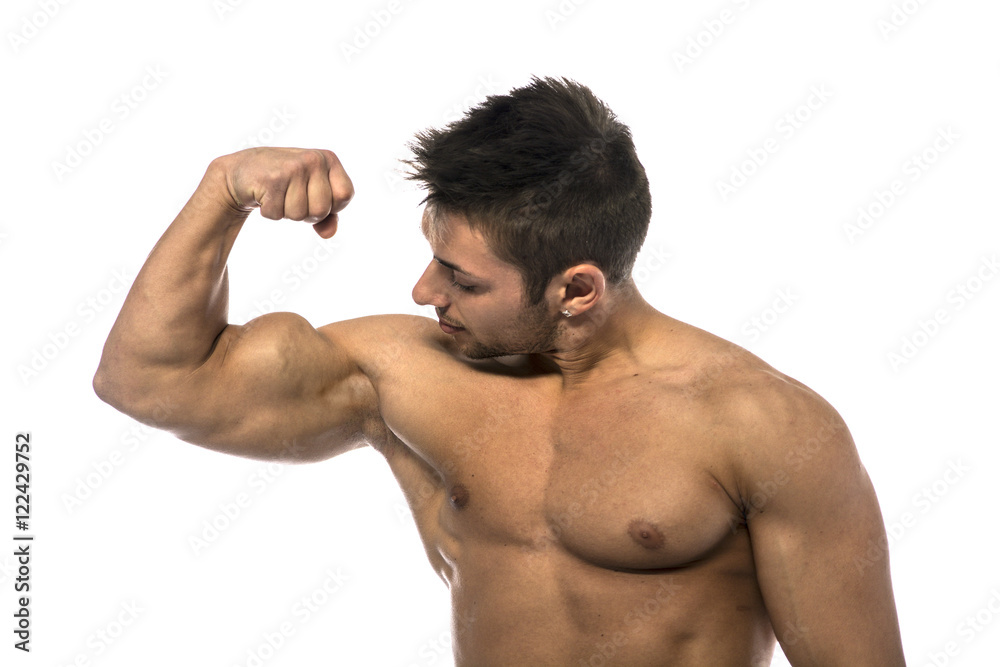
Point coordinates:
[[547, 174]]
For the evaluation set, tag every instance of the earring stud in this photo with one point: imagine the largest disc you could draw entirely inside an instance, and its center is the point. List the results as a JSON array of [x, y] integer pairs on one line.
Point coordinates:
[[567, 313]]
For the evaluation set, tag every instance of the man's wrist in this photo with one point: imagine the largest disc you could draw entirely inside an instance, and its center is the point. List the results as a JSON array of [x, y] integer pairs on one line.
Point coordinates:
[[215, 192]]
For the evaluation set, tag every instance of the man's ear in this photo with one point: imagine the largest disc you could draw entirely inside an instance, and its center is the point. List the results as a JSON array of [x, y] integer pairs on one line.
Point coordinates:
[[583, 286]]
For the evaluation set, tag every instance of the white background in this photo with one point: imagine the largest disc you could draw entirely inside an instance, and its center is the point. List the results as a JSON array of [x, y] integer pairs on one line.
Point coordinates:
[[277, 73]]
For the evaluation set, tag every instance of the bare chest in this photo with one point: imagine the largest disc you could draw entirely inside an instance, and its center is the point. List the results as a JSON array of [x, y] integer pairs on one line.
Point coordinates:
[[616, 479]]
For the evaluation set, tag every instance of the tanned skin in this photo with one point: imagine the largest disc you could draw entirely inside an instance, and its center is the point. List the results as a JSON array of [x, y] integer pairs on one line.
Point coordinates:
[[619, 488]]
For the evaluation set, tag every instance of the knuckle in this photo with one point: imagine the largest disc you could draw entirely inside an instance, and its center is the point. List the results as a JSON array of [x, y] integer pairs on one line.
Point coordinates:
[[318, 212], [330, 157], [313, 160], [295, 168], [344, 192], [274, 179]]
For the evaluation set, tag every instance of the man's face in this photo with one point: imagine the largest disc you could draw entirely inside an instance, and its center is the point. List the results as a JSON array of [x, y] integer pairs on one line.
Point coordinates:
[[478, 297]]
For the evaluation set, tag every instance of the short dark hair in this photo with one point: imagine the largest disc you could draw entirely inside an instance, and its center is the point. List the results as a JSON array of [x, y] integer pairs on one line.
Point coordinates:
[[547, 174]]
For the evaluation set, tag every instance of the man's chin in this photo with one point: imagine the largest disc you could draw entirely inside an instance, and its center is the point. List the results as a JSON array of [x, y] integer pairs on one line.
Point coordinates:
[[478, 352]]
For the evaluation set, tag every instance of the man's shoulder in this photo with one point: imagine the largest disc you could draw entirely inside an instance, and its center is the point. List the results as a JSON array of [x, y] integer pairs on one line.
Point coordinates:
[[711, 369], [770, 428], [759, 407], [378, 343], [391, 325], [772, 409]]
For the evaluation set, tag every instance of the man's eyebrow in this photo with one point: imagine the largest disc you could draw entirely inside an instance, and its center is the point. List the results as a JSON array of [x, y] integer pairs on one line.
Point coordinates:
[[455, 267]]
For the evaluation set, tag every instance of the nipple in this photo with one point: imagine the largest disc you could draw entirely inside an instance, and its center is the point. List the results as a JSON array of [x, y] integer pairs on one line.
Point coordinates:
[[646, 534], [459, 496]]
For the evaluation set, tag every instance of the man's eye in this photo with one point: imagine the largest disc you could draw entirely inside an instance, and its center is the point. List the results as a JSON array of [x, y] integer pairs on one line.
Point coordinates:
[[464, 288]]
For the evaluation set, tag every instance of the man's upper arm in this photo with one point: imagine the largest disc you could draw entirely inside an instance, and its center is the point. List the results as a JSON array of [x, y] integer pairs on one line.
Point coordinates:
[[813, 519], [277, 388]]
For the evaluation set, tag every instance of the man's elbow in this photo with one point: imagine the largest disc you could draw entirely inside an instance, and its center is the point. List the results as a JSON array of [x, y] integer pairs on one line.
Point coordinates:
[[100, 385], [107, 388], [108, 377], [141, 400], [111, 381]]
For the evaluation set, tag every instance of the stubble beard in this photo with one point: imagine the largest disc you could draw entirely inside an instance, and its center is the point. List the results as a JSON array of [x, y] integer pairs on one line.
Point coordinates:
[[535, 332]]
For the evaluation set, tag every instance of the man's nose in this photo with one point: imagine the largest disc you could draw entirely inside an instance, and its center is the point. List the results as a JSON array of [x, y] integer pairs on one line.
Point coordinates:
[[425, 292]]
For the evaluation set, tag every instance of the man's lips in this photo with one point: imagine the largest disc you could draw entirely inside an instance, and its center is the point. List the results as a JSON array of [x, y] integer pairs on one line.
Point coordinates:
[[449, 328]]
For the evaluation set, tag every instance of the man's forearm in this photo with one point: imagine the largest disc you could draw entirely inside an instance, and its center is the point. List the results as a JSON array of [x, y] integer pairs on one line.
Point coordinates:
[[178, 303], [169, 328]]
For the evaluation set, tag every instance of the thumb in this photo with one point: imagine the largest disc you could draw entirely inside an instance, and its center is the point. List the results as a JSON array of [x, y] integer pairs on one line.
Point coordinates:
[[326, 227]]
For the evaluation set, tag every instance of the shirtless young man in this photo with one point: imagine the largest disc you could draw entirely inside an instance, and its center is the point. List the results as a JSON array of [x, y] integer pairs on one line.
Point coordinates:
[[595, 481]]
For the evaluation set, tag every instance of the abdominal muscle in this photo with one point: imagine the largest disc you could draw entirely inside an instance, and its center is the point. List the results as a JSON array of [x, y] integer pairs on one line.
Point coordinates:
[[521, 596], [520, 606], [614, 585]]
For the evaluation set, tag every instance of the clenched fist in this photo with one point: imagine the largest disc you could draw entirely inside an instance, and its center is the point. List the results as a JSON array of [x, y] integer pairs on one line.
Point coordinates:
[[293, 183]]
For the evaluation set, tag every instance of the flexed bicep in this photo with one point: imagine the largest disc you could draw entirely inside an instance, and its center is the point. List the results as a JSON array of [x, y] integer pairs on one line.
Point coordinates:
[[275, 388]]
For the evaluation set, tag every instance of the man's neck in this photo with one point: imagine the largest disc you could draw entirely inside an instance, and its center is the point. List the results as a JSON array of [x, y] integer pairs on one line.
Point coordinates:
[[604, 342]]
